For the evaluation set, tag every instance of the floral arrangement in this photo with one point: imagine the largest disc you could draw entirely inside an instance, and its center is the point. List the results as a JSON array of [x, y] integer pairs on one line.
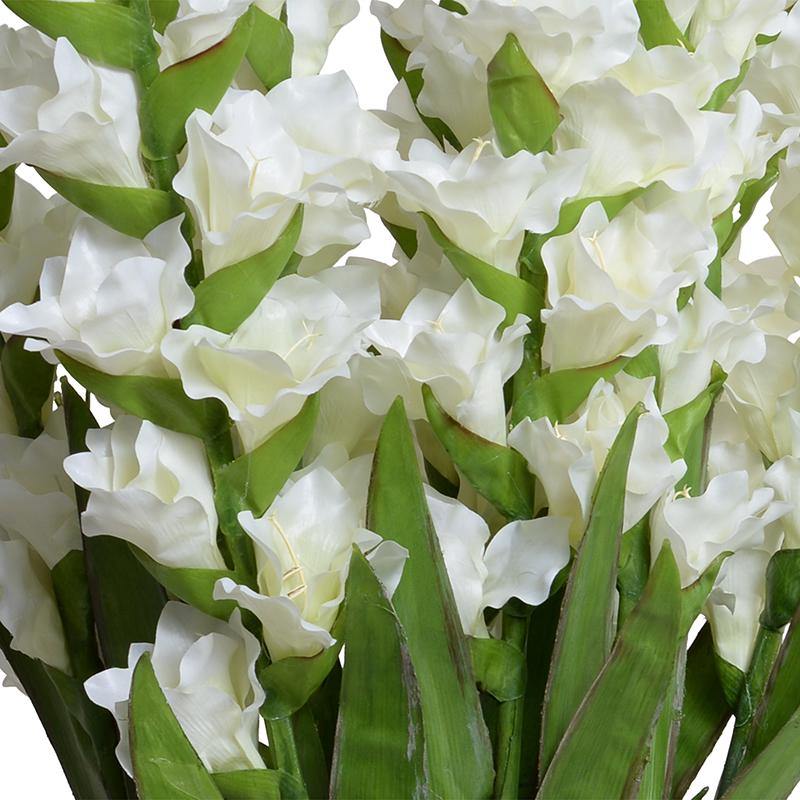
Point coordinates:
[[514, 516]]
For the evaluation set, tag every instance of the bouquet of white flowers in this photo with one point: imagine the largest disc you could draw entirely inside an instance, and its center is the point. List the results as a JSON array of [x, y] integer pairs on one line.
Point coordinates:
[[515, 516]]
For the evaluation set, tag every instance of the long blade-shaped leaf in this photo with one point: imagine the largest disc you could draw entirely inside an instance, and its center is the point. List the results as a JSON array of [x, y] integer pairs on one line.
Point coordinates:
[[458, 745], [270, 49], [600, 754], [523, 109], [657, 26], [586, 630], [28, 380], [379, 750], [164, 762], [499, 473], [227, 297]]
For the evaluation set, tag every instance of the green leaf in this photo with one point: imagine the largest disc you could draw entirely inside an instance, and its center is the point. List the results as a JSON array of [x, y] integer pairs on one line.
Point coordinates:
[[165, 764], [162, 401], [783, 589], [310, 755], [723, 92], [775, 772], [614, 723], [524, 112], [290, 682], [163, 12], [499, 668], [197, 82], [226, 298], [405, 237], [130, 210], [459, 754], [257, 784], [782, 698], [657, 26], [586, 629], [684, 421], [28, 381], [105, 32], [558, 395], [705, 712], [379, 750], [82, 734], [499, 473], [192, 585], [634, 567], [7, 180], [270, 49], [514, 294]]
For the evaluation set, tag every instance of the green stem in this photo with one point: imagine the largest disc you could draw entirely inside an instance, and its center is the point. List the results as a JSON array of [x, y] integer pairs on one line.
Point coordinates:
[[283, 747], [765, 652], [510, 718]]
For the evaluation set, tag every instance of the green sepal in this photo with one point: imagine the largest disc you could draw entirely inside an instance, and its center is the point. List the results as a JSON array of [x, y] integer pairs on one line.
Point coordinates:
[[705, 712], [162, 401], [258, 784], [731, 679], [71, 589], [656, 26], [270, 49], [165, 765], [615, 721], [459, 752], [28, 380], [684, 421], [130, 210], [406, 238], [105, 32], [499, 473], [7, 181], [499, 668], [254, 479], [163, 12], [193, 585], [112, 572], [226, 298], [290, 682], [82, 734], [586, 629], [198, 82], [783, 589], [380, 719], [514, 294], [524, 112]]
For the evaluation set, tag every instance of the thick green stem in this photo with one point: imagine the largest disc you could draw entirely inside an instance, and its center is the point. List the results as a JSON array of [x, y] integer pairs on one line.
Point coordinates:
[[765, 652], [283, 747], [510, 718]]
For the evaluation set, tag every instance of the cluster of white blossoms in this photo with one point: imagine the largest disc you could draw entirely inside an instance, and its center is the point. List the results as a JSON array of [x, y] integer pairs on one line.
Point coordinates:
[[610, 258]]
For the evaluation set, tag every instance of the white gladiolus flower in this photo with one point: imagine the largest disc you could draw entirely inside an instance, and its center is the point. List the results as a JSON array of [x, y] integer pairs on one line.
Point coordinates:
[[767, 397], [151, 487], [198, 25], [708, 331], [483, 202], [303, 546], [728, 516], [613, 286], [206, 669], [39, 227], [91, 309], [258, 157], [67, 114], [38, 527], [453, 345], [302, 335], [784, 477], [567, 458], [521, 560], [781, 226]]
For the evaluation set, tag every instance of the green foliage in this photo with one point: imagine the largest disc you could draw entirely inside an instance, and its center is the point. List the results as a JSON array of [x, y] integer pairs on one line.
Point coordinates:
[[499, 473], [380, 719], [524, 112], [657, 26], [270, 49], [459, 755], [28, 381], [499, 668]]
